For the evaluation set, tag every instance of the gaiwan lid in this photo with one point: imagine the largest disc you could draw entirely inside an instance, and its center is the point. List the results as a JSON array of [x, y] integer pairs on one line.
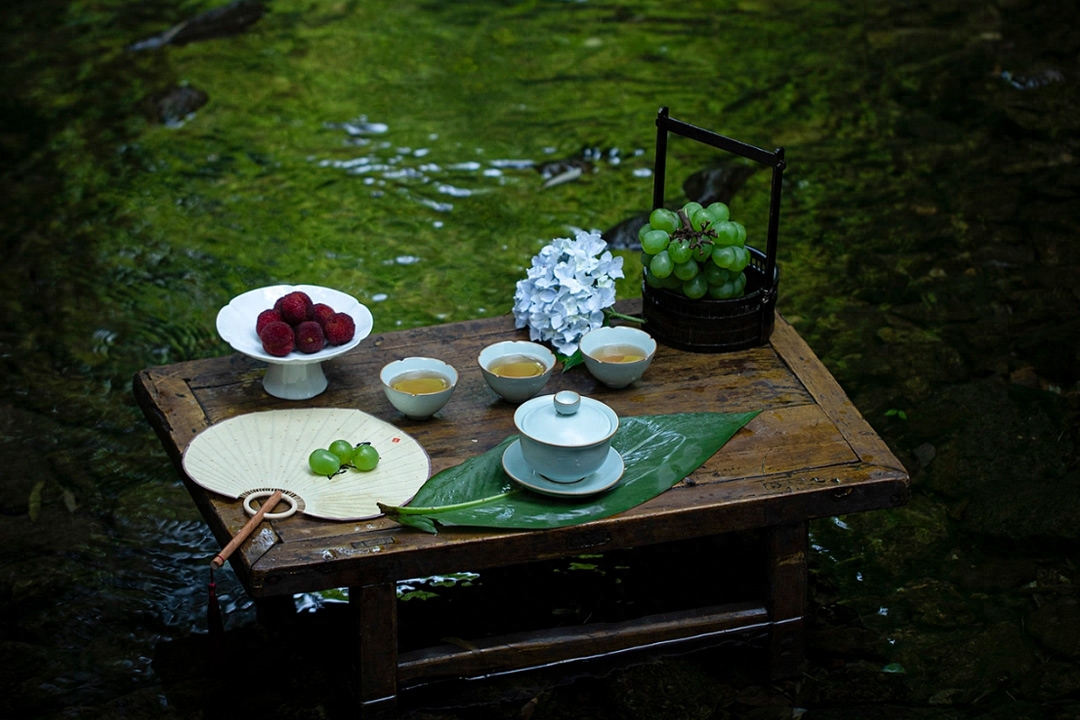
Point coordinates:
[[566, 419]]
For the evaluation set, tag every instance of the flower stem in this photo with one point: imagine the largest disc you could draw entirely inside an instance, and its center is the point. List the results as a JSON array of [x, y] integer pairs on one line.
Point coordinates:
[[615, 314]]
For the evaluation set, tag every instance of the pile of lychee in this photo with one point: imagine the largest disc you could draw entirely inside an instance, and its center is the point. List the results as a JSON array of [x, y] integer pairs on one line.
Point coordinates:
[[297, 323]]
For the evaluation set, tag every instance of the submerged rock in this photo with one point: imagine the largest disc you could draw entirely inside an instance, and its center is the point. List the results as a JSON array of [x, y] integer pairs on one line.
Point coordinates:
[[175, 105], [231, 19], [1056, 625], [717, 184], [558, 172]]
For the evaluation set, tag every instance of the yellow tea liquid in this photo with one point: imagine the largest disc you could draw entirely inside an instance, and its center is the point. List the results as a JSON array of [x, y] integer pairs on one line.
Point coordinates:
[[420, 382], [517, 366], [624, 353]]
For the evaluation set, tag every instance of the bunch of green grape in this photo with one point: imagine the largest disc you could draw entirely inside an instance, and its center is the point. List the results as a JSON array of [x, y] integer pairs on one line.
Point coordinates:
[[696, 251], [342, 454]]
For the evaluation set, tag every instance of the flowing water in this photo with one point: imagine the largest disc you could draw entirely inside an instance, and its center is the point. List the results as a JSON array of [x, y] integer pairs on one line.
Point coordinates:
[[398, 151]]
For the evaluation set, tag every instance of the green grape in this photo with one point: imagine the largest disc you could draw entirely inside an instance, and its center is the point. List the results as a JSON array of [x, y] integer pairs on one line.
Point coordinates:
[[680, 251], [724, 256], [714, 274], [742, 259], [654, 241], [644, 229], [703, 249], [343, 449], [726, 233], [740, 283], [661, 265], [671, 282], [324, 462], [720, 212], [365, 457], [652, 280], [645, 259], [742, 233], [695, 287], [722, 292], [690, 208], [701, 219], [664, 219], [686, 270]]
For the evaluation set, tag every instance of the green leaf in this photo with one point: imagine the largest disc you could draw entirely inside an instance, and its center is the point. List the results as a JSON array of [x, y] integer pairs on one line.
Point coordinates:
[[35, 500], [658, 451], [574, 360]]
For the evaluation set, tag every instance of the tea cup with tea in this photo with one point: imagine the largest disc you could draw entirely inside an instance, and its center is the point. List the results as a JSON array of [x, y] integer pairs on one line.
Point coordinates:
[[418, 386], [516, 369], [617, 356]]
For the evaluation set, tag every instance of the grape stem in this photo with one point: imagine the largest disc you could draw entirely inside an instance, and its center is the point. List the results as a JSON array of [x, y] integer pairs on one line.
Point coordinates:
[[686, 231]]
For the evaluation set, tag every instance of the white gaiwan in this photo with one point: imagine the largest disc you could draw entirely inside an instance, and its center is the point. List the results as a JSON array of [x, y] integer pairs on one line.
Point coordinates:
[[565, 437]]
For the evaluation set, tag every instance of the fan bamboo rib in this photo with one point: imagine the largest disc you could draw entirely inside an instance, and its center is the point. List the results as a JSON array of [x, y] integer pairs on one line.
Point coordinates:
[[270, 450]]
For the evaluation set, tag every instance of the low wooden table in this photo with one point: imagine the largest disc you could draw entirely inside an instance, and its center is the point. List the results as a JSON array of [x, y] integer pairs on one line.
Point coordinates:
[[809, 454]]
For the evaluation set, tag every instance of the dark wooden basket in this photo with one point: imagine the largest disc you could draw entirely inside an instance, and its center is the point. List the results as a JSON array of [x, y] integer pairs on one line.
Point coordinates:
[[708, 325]]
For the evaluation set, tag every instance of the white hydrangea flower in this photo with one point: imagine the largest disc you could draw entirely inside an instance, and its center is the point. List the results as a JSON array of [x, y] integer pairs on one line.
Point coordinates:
[[566, 291]]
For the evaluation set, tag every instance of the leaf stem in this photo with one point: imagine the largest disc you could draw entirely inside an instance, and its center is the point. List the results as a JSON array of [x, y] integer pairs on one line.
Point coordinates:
[[420, 510]]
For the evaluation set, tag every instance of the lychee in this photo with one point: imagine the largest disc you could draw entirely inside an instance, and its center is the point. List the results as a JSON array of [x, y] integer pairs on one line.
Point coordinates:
[[339, 328], [278, 338], [295, 307], [310, 337], [321, 311], [265, 318]]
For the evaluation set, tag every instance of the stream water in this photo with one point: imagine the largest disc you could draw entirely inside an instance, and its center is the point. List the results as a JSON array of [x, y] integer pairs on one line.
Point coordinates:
[[397, 151]]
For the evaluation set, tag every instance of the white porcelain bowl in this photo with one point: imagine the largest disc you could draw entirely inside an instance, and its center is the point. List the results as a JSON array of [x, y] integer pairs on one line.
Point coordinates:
[[515, 389], [609, 369], [565, 437], [296, 376], [417, 405]]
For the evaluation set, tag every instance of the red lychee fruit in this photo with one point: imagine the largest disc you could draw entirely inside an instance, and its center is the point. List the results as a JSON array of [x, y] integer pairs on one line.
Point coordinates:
[[339, 328], [265, 318], [321, 311], [278, 338], [310, 337], [295, 307]]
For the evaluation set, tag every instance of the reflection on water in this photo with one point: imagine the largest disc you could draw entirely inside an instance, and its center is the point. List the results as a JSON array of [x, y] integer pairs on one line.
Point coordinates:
[[396, 151]]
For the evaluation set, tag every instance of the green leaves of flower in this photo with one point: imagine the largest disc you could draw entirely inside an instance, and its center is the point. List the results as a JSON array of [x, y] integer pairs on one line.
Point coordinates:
[[658, 451]]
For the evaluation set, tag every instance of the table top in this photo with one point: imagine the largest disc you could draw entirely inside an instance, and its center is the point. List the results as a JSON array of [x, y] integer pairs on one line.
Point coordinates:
[[808, 454]]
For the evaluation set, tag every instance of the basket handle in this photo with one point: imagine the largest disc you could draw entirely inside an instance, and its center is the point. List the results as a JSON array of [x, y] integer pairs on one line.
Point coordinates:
[[666, 124]]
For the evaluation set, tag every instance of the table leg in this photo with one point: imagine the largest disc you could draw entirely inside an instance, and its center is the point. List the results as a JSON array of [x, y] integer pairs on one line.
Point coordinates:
[[374, 612], [788, 568]]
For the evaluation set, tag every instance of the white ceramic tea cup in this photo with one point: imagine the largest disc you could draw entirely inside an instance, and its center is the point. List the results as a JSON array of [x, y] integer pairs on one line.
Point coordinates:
[[617, 356], [418, 386], [503, 363]]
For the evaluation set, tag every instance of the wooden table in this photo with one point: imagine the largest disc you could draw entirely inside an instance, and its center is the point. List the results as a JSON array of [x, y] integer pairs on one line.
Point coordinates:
[[809, 454]]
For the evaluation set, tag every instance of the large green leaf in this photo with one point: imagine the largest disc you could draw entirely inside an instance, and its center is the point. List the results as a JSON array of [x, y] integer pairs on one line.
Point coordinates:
[[658, 451]]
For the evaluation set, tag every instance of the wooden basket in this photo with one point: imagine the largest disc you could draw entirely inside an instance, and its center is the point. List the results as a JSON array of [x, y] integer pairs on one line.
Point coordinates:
[[707, 325]]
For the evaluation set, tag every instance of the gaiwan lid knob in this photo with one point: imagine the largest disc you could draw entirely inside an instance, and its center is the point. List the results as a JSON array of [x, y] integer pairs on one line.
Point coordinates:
[[566, 402], [566, 419]]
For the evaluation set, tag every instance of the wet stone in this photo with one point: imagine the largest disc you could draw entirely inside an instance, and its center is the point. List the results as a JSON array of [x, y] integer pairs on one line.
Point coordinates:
[[672, 688], [1056, 625], [174, 105], [973, 659], [1051, 681]]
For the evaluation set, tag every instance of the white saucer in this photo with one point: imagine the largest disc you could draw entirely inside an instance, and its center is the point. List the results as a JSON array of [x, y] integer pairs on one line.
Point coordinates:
[[610, 472]]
